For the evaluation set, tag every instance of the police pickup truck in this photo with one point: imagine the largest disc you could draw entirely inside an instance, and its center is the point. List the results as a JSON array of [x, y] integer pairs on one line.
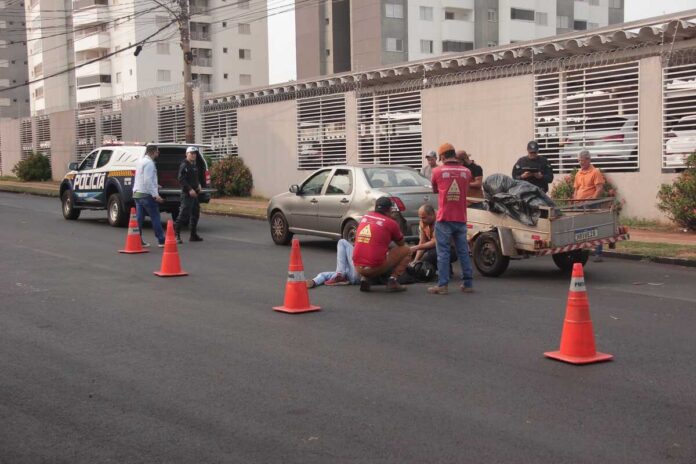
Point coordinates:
[[104, 180]]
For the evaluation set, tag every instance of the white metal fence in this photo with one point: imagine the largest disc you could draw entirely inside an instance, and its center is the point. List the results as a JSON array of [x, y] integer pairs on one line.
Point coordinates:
[[678, 114], [321, 131]]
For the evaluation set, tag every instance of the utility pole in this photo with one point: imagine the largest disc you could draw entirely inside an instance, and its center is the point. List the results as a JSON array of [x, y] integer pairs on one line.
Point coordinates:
[[185, 30]]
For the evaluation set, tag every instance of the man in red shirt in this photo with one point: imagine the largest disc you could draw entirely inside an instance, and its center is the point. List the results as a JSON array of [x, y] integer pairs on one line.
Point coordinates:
[[451, 182], [372, 256]]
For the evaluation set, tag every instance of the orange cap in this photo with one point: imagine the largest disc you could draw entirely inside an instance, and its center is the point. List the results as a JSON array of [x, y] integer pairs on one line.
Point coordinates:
[[445, 147]]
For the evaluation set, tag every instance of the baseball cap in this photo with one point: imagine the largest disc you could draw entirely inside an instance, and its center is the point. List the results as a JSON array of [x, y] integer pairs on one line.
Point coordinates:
[[431, 154], [444, 148], [383, 204], [533, 146], [191, 150]]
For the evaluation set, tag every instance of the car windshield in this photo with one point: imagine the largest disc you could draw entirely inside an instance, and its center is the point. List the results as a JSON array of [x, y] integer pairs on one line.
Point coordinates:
[[395, 177]]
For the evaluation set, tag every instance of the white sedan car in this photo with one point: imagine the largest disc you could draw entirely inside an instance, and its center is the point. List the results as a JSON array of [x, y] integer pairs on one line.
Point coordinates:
[[681, 142]]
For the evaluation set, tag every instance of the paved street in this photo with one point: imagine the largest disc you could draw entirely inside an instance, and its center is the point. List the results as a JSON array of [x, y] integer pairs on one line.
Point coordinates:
[[100, 361]]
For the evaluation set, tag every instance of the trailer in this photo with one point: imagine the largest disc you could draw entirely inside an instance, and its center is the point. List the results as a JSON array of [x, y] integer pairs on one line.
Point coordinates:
[[567, 232]]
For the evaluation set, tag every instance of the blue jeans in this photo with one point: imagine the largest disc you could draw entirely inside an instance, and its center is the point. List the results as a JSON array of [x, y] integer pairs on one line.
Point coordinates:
[[149, 205], [445, 232], [344, 265]]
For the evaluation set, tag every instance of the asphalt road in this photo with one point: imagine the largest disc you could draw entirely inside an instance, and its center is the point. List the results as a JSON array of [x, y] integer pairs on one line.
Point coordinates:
[[100, 361]]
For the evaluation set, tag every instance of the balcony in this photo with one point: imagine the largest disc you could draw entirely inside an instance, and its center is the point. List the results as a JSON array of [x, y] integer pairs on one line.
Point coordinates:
[[460, 31], [100, 67], [202, 61], [94, 15], [200, 36], [101, 40], [98, 92]]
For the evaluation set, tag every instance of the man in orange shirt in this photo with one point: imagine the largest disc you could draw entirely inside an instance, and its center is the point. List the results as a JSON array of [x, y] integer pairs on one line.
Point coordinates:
[[589, 184]]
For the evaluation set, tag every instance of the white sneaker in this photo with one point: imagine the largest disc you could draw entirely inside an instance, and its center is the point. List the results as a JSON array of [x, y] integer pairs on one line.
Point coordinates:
[[146, 245]]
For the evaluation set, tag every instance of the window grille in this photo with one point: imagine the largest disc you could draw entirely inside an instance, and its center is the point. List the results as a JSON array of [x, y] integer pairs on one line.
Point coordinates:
[[43, 135], [220, 132], [111, 127], [171, 119], [678, 115], [390, 129], [26, 137], [321, 131], [594, 109], [86, 135]]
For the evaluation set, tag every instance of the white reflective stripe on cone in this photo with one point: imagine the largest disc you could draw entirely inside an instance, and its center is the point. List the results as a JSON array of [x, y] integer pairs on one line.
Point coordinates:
[[577, 284], [296, 276]]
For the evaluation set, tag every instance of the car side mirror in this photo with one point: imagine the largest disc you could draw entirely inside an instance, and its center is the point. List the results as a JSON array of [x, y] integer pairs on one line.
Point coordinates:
[[295, 189], [73, 166]]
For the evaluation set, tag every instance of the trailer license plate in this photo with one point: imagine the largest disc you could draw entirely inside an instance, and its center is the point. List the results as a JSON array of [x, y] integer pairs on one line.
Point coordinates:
[[586, 234]]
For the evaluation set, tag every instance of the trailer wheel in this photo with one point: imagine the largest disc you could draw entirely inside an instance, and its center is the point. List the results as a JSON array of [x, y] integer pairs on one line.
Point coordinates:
[[488, 255], [565, 261]]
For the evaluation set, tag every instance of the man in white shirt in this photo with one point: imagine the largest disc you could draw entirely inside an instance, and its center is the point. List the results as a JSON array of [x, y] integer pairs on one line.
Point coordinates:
[[146, 193]]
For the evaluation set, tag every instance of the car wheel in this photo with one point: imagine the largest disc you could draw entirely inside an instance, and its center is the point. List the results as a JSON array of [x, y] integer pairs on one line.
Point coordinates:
[[280, 231], [565, 261], [350, 228], [116, 213], [488, 255], [69, 211]]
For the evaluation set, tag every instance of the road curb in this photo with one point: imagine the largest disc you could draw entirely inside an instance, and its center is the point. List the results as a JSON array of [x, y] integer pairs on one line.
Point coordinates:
[[29, 191], [233, 214], [652, 259]]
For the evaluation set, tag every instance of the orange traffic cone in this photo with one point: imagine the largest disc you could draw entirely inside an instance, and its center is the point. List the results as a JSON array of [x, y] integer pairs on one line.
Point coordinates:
[[296, 294], [134, 243], [171, 266], [577, 339]]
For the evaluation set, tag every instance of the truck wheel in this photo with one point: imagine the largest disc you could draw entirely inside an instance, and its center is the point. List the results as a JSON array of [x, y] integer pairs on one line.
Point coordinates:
[[350, 228], [116, 213], [280, 231], [488, 255], [565, 261], [69, 211]]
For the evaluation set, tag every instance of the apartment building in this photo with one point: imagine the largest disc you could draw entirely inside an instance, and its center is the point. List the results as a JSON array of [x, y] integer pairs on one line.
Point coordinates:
[[13, 60], [384, 32], [228, 42]]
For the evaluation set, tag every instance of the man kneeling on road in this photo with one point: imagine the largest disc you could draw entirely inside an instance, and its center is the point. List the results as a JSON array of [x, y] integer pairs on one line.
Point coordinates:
[[372, 256]]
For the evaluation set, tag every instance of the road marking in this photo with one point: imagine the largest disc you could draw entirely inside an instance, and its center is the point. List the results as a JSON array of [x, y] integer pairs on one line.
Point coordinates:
[[643, 293]]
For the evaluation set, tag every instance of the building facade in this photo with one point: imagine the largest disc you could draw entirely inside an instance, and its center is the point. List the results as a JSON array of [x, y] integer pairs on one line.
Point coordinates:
[[13, 60], [385, 32], [228, 41]]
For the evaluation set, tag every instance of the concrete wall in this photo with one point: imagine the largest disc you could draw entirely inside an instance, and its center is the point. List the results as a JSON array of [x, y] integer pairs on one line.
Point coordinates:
[[493, 120], [366, 34], [307, 41], [10, 148], [268, 145], [62, 142], [139, 119], [639, 189]]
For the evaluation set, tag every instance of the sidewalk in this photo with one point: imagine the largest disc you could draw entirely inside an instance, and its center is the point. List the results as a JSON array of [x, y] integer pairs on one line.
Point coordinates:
[[644, 243]]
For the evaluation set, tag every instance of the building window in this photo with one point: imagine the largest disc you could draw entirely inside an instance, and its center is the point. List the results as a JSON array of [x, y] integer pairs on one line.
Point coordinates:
[[164, 75], [224, 49], [580, 25], [521, 15], [492, 16], [118, 77], [562, 22], [426, 13], [615, 3], [321, 137], [452, 46], [426, 46], [244, 54], [395, 45], [163, 48], [492, 44], [542, 19], [449, 14], [394, 10], [225, 76], [224, 24], [245, 79], [244, 28], [328, 52]]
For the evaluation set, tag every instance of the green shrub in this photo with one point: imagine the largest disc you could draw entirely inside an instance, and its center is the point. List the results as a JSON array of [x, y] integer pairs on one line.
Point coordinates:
[[231, 177], [35, 167], [563, 190], [678, 199]]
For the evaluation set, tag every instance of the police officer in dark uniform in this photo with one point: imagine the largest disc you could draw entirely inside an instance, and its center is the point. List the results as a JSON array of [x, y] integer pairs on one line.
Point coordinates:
[[533, 168], [190, 209]]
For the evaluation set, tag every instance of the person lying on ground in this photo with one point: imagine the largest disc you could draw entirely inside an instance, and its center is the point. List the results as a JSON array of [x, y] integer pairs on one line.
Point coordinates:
[[344, 274]]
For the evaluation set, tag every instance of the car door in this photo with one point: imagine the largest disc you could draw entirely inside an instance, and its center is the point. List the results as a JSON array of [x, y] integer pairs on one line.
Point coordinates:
[[302, 207], [333, 204], [82, 184]]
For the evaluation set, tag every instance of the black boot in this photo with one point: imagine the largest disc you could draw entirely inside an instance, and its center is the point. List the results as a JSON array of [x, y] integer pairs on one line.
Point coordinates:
[[178, 235], [194, 236]]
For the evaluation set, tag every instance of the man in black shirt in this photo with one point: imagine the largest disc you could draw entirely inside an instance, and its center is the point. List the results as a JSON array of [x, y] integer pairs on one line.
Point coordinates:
[[190, 189], [533, 168], [475, 190]]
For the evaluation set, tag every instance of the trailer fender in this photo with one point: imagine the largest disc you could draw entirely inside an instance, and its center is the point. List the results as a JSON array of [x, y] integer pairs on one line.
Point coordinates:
[[507, 241]]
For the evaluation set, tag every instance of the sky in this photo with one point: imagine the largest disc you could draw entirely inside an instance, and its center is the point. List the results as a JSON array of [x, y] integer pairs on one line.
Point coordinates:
[[281, 31]]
